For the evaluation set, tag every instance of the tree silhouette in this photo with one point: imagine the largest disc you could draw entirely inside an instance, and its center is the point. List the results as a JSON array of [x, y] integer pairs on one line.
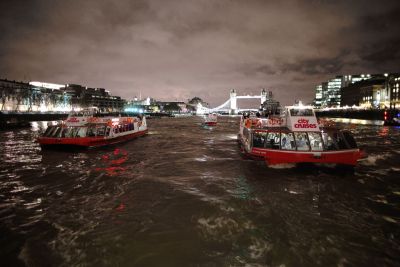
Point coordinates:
[[170, 107], [195, 100]]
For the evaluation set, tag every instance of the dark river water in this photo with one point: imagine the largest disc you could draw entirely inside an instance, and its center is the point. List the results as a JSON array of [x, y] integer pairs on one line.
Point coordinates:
[[184, 196]]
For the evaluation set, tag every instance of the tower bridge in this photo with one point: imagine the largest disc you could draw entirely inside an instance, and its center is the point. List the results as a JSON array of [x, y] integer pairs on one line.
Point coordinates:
[[230, 106]]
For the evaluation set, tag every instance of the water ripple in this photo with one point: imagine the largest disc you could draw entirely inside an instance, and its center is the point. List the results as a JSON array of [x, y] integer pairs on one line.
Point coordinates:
[[183, 196]]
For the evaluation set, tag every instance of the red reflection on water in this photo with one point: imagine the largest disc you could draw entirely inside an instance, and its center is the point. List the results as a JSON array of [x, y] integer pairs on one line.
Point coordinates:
[[114, 160], [384, 132], [121, 207]]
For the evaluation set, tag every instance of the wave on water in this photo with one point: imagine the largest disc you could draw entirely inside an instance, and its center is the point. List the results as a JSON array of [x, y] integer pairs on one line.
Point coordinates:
[[282, 166], [372, 159]]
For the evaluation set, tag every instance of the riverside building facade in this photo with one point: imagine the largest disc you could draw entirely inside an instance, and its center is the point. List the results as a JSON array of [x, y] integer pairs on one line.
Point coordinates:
[[364, 90], [49, 97]]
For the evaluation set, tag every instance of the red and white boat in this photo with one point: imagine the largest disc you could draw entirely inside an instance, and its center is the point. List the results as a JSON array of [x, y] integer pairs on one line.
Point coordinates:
[[85, 129], [211, 119], [295, 136]]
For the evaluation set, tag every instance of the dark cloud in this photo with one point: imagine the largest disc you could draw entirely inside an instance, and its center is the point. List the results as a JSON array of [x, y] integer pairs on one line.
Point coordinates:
[[266, 69], [178, 49], [315, 66], [380, 46], [385, 52]]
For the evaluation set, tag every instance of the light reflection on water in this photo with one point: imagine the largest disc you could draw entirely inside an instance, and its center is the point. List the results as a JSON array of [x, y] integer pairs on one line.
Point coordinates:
[[183, 196], [358, 121]]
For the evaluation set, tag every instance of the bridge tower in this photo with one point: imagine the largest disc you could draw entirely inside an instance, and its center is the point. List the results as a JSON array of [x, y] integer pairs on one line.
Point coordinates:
[[263, 95], [233, 109]]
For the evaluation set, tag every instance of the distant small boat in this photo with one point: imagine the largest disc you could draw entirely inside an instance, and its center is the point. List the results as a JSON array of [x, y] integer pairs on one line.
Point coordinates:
[[391, 117], [294, 135], [84, 129], [211, 119]]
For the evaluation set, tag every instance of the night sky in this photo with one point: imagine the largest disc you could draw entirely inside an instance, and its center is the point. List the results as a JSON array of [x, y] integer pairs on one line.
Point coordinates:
[[175, 50]]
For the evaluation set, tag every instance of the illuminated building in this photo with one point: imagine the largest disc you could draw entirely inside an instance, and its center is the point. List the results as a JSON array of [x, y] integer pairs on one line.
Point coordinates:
[[318, 96], [50, 97], [349, 90], [366, 93], [393, 91]]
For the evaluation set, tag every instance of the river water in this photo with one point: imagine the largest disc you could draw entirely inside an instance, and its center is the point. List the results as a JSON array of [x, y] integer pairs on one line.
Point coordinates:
[[184, 196]]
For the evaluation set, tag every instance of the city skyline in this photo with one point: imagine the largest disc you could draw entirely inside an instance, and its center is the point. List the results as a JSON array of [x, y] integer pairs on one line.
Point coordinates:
[[181, 49]]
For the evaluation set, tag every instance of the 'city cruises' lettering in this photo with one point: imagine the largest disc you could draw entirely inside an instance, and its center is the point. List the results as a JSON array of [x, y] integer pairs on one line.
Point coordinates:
[[303, 123]]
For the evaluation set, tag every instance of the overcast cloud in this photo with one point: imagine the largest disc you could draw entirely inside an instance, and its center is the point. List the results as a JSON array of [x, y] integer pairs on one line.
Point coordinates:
[[175, 50]]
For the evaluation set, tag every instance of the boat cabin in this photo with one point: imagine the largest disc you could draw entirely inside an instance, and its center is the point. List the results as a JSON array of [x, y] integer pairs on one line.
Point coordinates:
[[295, 128], [281, 138], [95, 127]]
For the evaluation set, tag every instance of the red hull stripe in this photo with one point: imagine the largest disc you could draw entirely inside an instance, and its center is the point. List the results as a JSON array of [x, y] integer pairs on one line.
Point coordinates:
[[347, 157]]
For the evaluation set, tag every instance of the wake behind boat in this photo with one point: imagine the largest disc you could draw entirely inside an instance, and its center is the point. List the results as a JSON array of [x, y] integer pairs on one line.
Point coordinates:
[[293, 135], [85, 129]]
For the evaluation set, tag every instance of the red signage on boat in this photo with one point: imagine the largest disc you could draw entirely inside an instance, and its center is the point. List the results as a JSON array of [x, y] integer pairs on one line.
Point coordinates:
[[275, 122], [304, 123], [73, 119]]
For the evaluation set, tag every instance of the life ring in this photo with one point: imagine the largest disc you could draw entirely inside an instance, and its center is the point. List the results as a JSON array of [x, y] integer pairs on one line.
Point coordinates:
[[248, 123]]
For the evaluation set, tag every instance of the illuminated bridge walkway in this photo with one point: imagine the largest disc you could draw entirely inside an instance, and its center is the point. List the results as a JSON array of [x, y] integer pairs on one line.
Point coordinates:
[[230, 106]]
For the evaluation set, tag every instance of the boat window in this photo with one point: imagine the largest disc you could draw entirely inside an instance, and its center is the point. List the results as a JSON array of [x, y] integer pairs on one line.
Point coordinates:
[[64, 132], [56, 133], [287, 141], [73, 132], [329, 142], [48, 131], [53, 130], [108, 129], [350, 139], [101, 129], [315, 141], [91, 132], [273, 140], [259, 139], [301, 112], [302, 141], [82, 132], [341, 143], [246, 134]]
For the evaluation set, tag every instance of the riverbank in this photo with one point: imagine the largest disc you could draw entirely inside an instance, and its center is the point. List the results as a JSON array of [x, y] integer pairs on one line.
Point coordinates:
[[388, 116], [9, 120]]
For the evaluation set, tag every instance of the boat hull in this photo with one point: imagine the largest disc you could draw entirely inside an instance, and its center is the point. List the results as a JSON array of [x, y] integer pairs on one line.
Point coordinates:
[[274, 157], [88, 142]]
